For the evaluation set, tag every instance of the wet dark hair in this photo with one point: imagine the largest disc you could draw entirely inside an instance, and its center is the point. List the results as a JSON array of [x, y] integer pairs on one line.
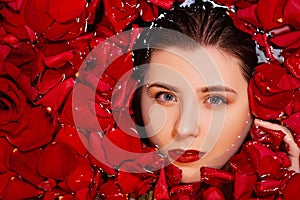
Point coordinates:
[[209, 26]]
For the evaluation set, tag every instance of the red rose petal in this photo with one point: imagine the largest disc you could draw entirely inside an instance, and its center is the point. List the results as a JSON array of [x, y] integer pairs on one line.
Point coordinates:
[[82, 176], [267, 187], [292, 62], [167, 5], [25, 190], [133, 178], [161, 187], [54, 99], [110, 190], [58, 161], [63, 11], [57, 30], [148, 11], [174, 175], [6, 150], [270, 165], [291, 13], [59, 60], [120, 14], [213, 193], [26, 165], [36, 130], [98, 155], [215, 177], [266, 18], [70, 136], [291, 190], [36, 15]]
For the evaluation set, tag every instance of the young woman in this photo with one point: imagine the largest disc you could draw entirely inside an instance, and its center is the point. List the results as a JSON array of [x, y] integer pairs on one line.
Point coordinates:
[[193, 67]]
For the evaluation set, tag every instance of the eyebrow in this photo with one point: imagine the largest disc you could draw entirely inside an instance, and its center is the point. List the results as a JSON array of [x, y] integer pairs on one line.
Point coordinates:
[[217, 88], [214, 88], [165, 86]]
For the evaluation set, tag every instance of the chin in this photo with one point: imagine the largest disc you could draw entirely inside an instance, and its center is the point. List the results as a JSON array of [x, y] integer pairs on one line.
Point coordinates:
[[190, 175]]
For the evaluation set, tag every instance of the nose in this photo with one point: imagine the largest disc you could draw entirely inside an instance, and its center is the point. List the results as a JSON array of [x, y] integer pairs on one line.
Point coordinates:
[[187, 124]]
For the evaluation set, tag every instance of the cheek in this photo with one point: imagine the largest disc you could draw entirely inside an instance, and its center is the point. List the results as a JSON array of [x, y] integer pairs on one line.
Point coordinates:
[[158, 121], [236, 127]]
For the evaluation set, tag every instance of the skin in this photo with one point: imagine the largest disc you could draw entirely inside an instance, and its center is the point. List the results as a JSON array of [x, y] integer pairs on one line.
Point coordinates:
[[182, 109], [197, 100]]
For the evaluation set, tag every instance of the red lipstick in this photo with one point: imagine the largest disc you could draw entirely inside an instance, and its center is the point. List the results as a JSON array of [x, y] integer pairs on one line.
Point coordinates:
[[185, 156]]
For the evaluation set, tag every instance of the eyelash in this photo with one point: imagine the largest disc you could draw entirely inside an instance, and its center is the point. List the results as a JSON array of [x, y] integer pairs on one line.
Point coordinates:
[[161, 101], [220, 98]]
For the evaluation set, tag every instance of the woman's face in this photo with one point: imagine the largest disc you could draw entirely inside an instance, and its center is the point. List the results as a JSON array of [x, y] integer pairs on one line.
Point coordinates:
[[194, 106]]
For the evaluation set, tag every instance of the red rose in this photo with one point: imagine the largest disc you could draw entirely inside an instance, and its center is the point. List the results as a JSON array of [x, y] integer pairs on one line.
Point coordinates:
[[24, 126], [271, 92]]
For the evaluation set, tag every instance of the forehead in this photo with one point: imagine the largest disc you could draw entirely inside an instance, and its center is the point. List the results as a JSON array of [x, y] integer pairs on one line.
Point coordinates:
[[205, 66]]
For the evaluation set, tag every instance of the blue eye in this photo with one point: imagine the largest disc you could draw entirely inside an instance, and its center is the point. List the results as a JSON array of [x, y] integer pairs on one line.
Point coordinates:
[[165, 98], [216, 100]]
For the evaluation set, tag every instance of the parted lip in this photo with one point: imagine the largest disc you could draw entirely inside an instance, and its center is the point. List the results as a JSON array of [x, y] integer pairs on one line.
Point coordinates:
[[185, 156]]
